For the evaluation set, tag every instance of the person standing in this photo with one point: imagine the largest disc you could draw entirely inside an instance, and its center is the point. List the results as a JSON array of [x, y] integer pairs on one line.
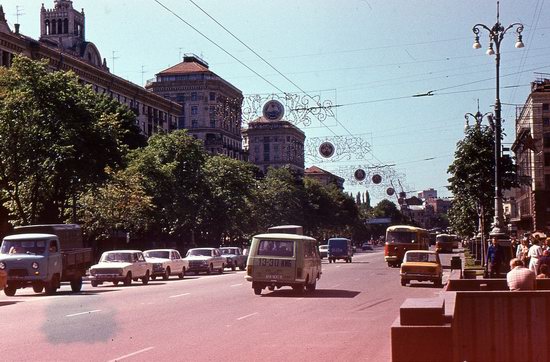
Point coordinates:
[[522, 251], [535, 252], [519, 277], [494, 257]]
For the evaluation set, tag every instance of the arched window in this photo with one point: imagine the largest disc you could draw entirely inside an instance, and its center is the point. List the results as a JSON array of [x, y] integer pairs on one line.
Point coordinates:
[[54, 26], [47, 25], [66, 26], [59, 27]]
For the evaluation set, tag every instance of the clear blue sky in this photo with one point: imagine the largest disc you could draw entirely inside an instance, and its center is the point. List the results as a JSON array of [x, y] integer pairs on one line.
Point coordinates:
[[369, 56]]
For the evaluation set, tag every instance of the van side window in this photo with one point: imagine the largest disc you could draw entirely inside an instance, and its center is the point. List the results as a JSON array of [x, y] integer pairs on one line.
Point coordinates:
[[53, 246]]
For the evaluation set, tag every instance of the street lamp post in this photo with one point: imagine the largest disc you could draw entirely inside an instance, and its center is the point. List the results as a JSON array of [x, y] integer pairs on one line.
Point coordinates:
[[496, 34]]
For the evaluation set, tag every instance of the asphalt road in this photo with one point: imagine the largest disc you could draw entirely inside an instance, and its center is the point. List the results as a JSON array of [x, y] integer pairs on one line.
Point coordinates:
[[213, 318]]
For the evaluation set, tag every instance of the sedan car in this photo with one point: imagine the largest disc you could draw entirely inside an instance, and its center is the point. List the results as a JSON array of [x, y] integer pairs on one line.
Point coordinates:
[[120, 266], [234, 257], [166, 262], [421, 265], [323, 251], [205, 260]]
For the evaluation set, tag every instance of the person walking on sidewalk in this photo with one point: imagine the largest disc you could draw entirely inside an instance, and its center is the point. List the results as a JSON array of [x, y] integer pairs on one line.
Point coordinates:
[[535, 252]]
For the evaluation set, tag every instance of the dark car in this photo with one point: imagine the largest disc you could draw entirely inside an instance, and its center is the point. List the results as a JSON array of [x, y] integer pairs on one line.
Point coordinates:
[[339, 248], [366, 246]]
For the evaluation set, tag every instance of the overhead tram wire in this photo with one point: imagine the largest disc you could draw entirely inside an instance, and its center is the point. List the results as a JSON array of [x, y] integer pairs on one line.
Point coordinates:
[[219, 46]]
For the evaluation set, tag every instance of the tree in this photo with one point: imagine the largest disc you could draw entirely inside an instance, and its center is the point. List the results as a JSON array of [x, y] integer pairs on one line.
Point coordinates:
[[473, 177], [230, 184], [171, 167], [56, 139]]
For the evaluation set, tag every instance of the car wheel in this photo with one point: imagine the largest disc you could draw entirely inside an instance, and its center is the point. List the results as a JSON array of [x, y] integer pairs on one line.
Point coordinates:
[[94, 283], [210, 269], [38, 288], [242, 267], [9, 290], [233, 267], [257, 291], [128, 279], [438, 283], [182, 274], [115, 283], [220, 270], [153, 277], [76, 285], [350, 260], [403, 282], [145, 279], [166, 274]]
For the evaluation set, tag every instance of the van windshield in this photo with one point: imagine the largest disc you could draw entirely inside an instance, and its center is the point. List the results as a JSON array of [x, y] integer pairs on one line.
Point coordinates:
[[276, 248]]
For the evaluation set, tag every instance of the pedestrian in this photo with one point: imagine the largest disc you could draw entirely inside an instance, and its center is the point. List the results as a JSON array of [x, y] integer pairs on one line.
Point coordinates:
[[519, 277], [522, 251], [544, 272], [494, 257], [535, 252]]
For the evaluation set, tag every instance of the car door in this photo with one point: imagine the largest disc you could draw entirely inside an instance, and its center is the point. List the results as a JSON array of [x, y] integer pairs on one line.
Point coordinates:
[[177, 262], [141, 264], [219, 260]]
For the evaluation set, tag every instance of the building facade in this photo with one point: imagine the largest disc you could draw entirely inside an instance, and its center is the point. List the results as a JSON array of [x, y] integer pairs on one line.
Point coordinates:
[[211, 106], [62, 43], [324, 177], [532, 151], [274, 144]]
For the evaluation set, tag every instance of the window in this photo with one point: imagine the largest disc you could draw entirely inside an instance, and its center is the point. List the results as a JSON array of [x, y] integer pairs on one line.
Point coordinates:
[[181, 122], [194, 123], [180, 97], [194, 110], [193, 96], [212, 96], [212, 123], [546, 121]]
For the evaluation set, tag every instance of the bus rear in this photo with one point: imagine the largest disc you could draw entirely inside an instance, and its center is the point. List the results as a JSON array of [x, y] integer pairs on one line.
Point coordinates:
[[400, 239]]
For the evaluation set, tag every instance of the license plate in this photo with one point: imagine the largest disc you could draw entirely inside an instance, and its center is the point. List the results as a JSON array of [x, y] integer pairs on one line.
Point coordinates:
[[274, 277]]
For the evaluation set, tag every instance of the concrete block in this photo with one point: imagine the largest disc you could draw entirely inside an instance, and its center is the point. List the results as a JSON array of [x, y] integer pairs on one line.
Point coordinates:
[[422, 311]]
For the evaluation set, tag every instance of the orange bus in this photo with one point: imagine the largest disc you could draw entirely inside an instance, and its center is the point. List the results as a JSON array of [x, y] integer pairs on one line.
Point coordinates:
[[445, 243], [400, 238]]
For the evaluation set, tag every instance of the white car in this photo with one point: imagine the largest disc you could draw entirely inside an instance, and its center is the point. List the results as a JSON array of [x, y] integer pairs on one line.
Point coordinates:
[[120, 266], [166, 262], [205, 260]]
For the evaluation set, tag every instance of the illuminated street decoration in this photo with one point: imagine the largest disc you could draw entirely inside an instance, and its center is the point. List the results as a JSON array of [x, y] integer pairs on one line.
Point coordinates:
[[326, 149], [390, 191], [376, 179], [301, 109], [347, 148], [360, 174]]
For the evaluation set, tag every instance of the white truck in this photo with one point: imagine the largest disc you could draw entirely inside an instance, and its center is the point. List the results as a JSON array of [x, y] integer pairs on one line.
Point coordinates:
[[43, 256]]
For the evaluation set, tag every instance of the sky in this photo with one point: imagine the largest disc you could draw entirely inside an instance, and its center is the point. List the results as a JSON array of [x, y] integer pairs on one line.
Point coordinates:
[[367, 59]]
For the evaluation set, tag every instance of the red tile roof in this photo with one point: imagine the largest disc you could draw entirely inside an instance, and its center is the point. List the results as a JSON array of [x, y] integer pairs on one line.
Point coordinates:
[[186, 67]]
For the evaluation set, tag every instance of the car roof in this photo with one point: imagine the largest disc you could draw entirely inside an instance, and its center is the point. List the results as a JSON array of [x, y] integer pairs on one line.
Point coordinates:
[[159, 250], [421, 252], [283, 236], [202, 248], [123, 251]]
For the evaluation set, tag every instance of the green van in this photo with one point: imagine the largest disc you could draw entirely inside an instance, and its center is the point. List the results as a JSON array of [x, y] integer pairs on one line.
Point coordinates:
[[281, 259]]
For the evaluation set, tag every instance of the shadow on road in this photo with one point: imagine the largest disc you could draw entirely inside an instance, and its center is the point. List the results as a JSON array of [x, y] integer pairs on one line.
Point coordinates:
[[424, 285], [3, 304], [319, 293]]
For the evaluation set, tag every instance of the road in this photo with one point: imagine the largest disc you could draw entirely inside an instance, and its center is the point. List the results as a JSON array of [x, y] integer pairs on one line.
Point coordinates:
[[213, 318]]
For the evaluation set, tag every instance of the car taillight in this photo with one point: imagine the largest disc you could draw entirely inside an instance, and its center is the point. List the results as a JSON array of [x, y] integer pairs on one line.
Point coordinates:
[[249, 270], [298, 272]]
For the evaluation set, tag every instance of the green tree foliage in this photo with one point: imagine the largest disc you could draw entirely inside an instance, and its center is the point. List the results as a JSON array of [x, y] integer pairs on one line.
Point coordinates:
[[121, 204], [472, 179], [56, 139], [171, 167], [230, 186]]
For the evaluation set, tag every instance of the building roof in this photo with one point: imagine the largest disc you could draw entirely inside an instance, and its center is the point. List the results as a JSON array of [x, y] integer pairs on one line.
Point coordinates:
[[317, 170], [185, 68]]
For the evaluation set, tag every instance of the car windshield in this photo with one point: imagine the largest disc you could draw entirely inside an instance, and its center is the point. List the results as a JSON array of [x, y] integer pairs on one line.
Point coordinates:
[[229, 251], [401, 237], [157, 254], [276, 248], [35, 247], [199, 252], [421, 257], [116, 257]]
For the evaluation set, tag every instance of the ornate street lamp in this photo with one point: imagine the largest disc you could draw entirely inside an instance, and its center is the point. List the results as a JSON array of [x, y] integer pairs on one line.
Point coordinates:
[[496, 34]]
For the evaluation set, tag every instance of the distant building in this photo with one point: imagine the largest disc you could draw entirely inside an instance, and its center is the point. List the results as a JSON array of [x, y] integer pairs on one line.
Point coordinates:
[[422, 215], [440, 206], [274, 144], [532, 150], [211, 105], [62, 42], [324, 177], [427, 194]]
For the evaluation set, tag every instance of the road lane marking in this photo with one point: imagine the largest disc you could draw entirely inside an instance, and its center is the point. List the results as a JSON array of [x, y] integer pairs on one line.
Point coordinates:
[[82, 313], [179, 295], [131, 354], [336, 286], [246, 316], [237, 285]]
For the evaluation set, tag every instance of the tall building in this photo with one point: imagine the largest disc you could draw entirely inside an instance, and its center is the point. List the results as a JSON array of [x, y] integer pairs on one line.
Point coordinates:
[[211, 105], [62, 42], [275, 143], [427, 194], [532, 150]]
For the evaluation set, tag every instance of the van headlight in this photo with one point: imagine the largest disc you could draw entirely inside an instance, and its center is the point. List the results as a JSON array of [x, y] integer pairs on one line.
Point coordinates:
[[2, 265], [35, 265]]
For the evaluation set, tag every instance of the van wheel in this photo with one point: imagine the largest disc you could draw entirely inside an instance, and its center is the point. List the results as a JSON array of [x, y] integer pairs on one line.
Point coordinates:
[[38, 288], [257, 291], [9, 290], [76, 285], [52, 285], [311, 287]]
